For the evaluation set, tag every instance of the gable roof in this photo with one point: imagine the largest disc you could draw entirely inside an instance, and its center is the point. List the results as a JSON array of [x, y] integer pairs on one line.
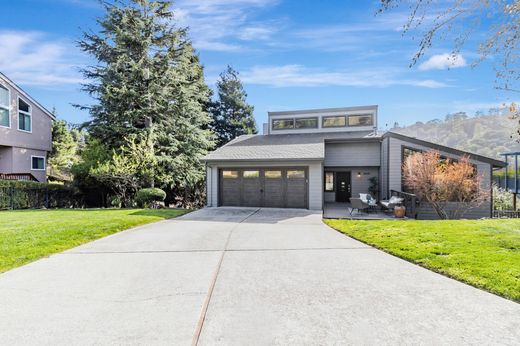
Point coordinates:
[[292, 147], [493, 162], [22, 92]]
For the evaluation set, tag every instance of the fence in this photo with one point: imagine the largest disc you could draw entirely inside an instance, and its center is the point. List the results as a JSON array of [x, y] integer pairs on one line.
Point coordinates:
[[511, 214], [37, 197]]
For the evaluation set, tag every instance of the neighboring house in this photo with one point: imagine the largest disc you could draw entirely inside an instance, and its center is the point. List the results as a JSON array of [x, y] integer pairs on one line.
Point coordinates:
[[308, 158], [25, 134]]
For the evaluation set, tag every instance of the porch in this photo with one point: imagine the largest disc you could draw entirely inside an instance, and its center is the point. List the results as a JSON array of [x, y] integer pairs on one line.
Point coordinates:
[[339, 210]]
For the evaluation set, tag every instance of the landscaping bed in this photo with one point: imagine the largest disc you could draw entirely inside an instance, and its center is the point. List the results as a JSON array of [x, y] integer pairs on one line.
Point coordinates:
[[482, 253], [27, 235]]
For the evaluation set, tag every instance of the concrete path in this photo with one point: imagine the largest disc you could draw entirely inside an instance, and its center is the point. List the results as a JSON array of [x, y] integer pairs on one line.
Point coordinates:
[[234, 276]]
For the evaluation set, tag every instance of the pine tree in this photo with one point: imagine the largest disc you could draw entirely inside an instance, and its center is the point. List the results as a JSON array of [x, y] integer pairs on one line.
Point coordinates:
[[232, 115], [148, 83], [64, 150]]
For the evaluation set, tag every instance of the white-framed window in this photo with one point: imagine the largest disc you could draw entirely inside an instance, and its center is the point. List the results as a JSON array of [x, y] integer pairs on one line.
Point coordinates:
[[5, 101], [24, 116], [37, 163]]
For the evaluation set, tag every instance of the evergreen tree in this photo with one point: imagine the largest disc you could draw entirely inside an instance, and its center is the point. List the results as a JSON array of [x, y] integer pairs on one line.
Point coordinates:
[[232, 115], [64, 151], [148, 83]]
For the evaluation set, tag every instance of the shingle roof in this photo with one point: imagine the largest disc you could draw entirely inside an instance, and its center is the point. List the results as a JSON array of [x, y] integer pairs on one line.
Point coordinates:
[[308, 146]]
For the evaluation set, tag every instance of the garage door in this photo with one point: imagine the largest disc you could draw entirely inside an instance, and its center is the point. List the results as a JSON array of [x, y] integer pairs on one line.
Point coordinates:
[[264, 187]]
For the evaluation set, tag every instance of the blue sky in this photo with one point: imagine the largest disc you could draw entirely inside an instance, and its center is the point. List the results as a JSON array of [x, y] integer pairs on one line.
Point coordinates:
[[291, 54]]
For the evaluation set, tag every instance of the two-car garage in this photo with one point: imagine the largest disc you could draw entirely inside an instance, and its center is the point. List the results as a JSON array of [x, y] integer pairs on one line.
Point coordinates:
[[276, 187]]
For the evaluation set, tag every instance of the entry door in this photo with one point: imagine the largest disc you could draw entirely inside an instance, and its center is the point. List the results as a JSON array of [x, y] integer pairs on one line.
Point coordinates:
[[343, 186]]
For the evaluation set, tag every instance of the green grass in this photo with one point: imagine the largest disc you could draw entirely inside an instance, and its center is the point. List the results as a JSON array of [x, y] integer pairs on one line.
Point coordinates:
[[482, 253], [27, 235]]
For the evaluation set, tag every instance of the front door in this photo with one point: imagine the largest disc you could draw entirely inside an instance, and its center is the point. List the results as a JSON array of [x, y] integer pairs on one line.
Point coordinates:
[[342, 186]]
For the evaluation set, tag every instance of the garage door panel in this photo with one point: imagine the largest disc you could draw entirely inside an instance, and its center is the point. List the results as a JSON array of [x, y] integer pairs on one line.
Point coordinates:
[[231, 187], [251, 188], [274, 188], [264, 187]]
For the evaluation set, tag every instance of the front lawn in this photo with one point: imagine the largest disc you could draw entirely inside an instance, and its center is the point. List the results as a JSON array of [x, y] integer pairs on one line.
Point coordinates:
[[482, 253], [27, 235]]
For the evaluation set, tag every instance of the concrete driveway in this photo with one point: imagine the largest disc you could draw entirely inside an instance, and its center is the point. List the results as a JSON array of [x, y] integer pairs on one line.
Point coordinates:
[[243, 277]]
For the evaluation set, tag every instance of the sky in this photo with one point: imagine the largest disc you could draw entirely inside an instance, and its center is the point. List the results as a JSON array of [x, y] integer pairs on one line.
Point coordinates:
[[291, 54]]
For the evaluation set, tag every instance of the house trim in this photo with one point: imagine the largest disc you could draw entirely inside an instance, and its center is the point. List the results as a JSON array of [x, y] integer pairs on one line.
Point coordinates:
[[18, 98], [493, 162], [44, 163], [22, 92], [8, 109]]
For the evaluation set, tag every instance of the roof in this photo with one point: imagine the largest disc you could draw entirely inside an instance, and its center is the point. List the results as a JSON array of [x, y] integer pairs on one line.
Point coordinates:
[[326, 110], [494, 162], [22, 92], [291, 147]]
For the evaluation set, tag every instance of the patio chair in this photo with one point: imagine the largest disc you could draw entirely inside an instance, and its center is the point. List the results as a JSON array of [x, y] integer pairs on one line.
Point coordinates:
[[392, 202], [359, 205]]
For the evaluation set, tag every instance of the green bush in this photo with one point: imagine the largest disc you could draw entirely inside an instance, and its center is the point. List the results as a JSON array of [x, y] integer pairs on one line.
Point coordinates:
[[28, 194], [148, 196]]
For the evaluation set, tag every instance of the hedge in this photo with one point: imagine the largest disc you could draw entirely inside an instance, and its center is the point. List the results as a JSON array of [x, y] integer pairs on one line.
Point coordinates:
[[15, 194]]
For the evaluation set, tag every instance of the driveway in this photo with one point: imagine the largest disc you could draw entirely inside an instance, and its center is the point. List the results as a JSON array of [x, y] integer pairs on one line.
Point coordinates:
[[243, 276]]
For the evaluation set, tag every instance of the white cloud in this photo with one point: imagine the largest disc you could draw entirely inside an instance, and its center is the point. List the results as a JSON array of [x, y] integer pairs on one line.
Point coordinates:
[[443, 62], [32, 59], [216, 25], [300, 76]]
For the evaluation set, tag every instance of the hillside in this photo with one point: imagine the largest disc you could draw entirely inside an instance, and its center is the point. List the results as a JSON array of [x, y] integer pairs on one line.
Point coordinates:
[[487, 135]]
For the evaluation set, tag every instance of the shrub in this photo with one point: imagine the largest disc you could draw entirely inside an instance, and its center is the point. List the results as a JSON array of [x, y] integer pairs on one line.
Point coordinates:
[[27, 194], [148, 196]]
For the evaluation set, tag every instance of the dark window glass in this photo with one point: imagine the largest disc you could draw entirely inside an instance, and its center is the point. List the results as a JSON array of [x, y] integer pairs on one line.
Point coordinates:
[[306, 123], [24, 122], [360, 120], [283, 124], [38, 163], [336, 121], [23, 106]]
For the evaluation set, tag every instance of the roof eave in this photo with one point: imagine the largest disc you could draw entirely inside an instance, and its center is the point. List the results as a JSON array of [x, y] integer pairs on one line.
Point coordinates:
[[21, 91]]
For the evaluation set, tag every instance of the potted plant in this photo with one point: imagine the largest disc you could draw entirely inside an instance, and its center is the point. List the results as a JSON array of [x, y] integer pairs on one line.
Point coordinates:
[[399, 211]]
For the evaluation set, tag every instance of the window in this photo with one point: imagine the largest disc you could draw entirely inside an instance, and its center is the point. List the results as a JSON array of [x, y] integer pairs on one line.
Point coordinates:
[[295, 174], [360, 120], [230, 174], [251, 174], [283, 124], [5, 120], [306, 123], [24, 116], [37, 163], [336, 121], [329, 181], [273, 174]]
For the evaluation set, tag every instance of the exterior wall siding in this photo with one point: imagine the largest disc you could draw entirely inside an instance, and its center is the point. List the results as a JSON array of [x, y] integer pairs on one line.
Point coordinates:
[[427, 212], [41, 126], [352, 154], [383, 175], [358, 184], [315, 177], [395, 164], [22, 162]]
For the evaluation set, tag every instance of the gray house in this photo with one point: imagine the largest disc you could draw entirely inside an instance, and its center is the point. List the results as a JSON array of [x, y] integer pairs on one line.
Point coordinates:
[[25, 134], [308, 158]]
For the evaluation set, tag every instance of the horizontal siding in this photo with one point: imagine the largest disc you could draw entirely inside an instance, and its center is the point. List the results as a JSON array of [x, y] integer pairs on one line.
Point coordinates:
[[427, 212], [315, 186], [352, 154], [394, 175]]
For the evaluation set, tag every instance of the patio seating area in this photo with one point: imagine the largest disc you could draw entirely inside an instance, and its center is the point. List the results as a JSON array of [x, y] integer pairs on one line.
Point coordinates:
[[337, 210]]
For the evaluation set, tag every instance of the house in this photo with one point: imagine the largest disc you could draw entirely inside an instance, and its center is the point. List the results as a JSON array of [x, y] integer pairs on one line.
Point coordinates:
[[308, 158], [25, 134]]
